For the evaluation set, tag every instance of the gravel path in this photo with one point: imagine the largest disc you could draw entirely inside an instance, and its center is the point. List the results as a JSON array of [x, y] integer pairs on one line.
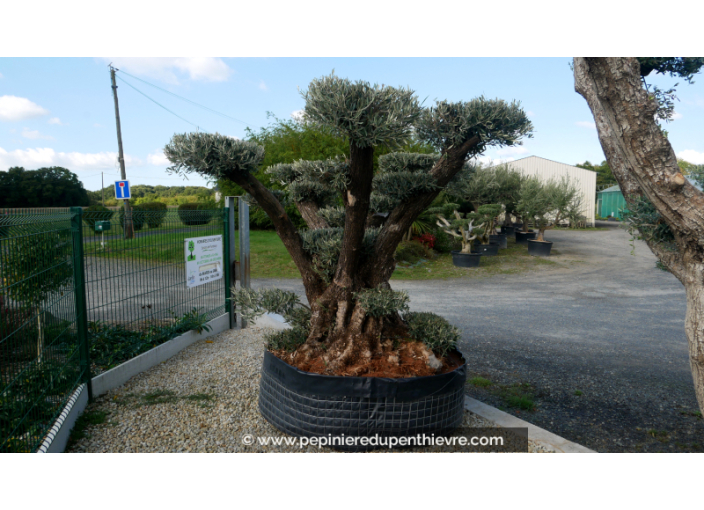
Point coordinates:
[[202, 400]]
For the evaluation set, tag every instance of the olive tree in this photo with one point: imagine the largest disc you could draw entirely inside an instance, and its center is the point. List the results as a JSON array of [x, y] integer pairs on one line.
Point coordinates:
[[547, 203], [645, 166], [355, 218]]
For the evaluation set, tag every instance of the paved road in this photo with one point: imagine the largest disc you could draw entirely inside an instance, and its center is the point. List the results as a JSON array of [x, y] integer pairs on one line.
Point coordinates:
[[600, 321]]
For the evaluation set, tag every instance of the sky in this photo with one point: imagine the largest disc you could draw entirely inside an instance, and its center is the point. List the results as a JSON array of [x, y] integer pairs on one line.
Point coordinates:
[[60, 111]]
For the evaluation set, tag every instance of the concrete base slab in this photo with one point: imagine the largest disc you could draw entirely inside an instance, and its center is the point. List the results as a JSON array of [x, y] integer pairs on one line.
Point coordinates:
[[550, 441]]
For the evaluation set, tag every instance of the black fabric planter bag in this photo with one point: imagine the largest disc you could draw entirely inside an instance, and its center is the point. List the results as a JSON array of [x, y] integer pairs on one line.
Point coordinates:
[[523, 237], [539, 248], [499, 239], [313, 405], [509, 231], [460, 259], [490, 249]]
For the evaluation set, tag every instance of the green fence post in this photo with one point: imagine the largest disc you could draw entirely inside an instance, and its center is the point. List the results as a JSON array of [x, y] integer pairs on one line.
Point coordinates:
[[226, 262], [79, 291]]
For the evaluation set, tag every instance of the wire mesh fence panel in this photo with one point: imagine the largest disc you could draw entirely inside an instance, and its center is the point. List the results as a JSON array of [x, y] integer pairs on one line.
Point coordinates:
[[40, 363], [136, 287]]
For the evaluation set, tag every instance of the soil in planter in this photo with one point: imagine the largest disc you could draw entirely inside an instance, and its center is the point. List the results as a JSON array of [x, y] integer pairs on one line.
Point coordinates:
[[406, 361]]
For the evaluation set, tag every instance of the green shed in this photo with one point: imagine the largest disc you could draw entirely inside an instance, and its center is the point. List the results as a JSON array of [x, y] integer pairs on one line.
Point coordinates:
[[610, 202]]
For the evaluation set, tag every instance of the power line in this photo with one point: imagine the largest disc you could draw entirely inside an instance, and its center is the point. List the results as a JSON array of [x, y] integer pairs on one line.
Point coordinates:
[[192, 102], [159, 104]]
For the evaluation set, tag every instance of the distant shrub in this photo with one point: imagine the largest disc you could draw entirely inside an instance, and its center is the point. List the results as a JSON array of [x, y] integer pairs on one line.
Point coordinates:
[[445, 243], [434, 331], [137, 217], [412, 251], [154, 213], [96, 213], [195, 213]]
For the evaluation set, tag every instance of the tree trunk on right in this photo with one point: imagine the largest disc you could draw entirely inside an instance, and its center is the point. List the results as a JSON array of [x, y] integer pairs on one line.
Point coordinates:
[[644, 163]]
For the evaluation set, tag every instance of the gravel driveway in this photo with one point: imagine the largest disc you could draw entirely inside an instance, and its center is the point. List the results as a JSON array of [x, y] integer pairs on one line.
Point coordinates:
[[598, 337]]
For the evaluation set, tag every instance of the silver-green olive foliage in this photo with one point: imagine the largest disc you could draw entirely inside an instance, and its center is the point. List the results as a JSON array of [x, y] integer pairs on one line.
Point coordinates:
[[368, 115]]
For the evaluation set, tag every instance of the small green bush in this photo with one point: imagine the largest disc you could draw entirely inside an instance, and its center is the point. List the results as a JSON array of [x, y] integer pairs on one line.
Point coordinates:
[[380, 302], [154, 213], [434, 331], [96, 213], [445, 243], [288, 339], [138, 217], [412, 251], [195, 213]]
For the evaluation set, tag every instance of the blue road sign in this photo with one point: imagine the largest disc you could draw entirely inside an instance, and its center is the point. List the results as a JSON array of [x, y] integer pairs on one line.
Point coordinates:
[[122, 190]]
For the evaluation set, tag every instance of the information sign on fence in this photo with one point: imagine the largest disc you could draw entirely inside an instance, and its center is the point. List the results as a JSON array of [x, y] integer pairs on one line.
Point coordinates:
[[204, 260]]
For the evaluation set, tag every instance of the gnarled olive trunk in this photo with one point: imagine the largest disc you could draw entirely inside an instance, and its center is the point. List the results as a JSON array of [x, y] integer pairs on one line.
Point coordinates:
[[694, 326], [644, 163]]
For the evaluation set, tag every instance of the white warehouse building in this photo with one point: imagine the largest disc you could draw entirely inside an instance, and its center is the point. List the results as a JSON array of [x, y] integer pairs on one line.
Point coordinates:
[[545, 170]]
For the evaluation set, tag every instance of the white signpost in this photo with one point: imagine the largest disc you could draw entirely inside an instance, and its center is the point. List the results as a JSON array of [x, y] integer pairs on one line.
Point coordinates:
[[204, 260]]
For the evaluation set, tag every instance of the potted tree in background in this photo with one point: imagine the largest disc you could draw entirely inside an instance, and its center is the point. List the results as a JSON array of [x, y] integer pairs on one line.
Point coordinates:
[[528, 207], [355, 324], [462, 228], [546, 204], [489, 241], [508, 192]]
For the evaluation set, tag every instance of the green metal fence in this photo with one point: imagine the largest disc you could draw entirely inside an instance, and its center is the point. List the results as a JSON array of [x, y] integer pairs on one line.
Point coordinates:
[[79, 297], [42, 359]]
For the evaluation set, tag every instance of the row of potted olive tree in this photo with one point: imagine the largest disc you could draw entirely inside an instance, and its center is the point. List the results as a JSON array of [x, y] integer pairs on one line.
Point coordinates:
[[501, 191]]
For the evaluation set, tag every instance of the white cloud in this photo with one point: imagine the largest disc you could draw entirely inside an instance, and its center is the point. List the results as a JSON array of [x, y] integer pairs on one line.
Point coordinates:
[[1, 76], [157, 158], [692, 156], [19, 108], [75, 161], [35, 135], [96, 125], [262, 85], [676, 115], [55, 120], [586, 124], [488, 161], [166, 69], [298, 115], [512, 151], [530, 113]]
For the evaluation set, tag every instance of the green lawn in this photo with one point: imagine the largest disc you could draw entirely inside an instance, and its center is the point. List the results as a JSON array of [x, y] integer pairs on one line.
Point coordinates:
[[512, 260], [269, 258]]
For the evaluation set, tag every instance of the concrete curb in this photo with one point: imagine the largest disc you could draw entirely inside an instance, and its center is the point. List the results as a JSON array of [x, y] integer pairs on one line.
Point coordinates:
[[57, 438], [550, 441], [122, 373]]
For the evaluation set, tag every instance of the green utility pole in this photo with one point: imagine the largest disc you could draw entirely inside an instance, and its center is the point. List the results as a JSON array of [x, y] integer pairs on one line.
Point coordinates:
[[129, 229]]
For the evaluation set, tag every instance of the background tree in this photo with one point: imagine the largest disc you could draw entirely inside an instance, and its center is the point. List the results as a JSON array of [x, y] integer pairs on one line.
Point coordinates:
[[346, 269], [46, 187], [645, 166], [547, 203], [24, 272], [604, 177]]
